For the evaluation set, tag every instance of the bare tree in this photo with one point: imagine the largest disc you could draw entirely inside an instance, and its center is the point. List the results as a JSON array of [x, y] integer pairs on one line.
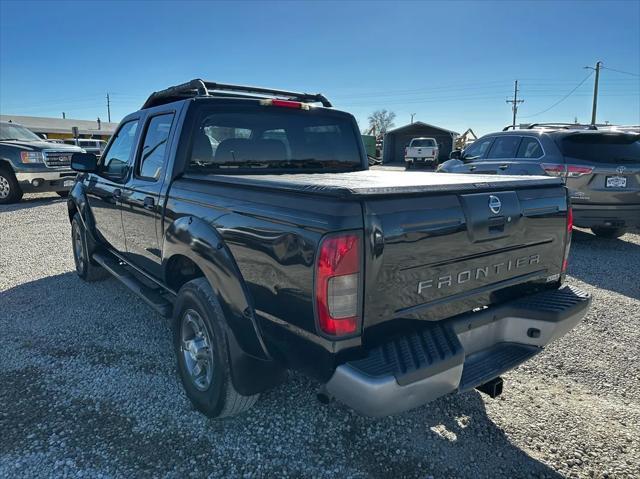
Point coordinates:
[[381, 121]]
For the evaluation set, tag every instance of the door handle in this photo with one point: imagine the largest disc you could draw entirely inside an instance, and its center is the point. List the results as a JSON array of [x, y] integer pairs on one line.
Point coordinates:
[[117, 193], [471, 168], [149, 202], [503, 167]]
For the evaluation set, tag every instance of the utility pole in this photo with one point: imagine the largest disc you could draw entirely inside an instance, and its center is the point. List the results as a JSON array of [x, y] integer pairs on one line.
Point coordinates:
[[595, 92], [412, 115], [108, 109], [515, 102], [63, 115]]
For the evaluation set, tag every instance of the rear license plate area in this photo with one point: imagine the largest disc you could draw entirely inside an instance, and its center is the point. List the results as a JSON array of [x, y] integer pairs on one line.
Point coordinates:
[[615, 182]]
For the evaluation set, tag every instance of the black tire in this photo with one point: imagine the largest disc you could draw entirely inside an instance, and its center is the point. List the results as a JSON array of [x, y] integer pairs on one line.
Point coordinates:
[[217, 397], [10, 191], [83, 247], [408, 166], [604, 232], [62, 194]]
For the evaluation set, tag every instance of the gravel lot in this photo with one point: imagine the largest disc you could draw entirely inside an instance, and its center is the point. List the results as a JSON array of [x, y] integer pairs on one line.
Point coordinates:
[[88, 387]]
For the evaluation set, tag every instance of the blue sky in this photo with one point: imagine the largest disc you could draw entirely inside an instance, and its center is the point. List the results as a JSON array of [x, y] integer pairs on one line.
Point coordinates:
[[452, 63]]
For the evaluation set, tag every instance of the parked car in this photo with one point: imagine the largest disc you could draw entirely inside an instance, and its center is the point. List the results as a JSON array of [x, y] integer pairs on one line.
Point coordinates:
[[601, 169], [421, 152], [29, 164], [89, 145], [252, 220]]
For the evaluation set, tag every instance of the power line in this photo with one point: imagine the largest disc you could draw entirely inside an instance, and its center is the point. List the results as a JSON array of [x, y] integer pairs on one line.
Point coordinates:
[[561, 99], [621, 71]]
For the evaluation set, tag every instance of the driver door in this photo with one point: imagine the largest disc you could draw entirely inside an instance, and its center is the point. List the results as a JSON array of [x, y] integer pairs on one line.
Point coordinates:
[[104, 189], [473, 157]]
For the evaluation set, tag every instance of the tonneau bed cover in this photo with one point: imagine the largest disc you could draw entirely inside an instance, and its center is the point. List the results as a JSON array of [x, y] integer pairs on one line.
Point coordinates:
[[380, 182]]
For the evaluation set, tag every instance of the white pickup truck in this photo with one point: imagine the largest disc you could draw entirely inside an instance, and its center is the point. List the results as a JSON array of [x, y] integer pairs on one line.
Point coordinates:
[[421, 151]]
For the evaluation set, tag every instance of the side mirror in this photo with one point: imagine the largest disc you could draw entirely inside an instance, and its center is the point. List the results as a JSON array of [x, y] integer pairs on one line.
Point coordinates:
[[455, 155], [84, 162]]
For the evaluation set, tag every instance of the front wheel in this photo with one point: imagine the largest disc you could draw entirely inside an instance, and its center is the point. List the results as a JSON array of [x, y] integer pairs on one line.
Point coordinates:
[[605, 232], [201, 349], [83, 247], [10, 191]]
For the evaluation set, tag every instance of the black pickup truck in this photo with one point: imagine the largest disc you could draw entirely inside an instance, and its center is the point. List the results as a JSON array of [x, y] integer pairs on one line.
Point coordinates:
[[249, 216]]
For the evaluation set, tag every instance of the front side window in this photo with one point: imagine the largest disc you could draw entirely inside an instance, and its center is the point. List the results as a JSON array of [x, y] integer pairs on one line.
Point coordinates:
[[529, 148], [114, 162], [274, 138], [504, 147], [478, 149], [154, 146]]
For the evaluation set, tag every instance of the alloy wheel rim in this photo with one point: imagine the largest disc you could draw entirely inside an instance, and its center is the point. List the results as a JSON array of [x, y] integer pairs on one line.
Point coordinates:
[[197, 352], [5, 187]]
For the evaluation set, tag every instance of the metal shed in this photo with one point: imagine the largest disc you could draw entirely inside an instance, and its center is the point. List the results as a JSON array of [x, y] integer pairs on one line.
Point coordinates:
[[396, 140]]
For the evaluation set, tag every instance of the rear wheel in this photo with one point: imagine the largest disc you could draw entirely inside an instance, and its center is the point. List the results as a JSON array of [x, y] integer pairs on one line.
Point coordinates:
[[605, 232], [83, 247], [10, 191], [201, 349]]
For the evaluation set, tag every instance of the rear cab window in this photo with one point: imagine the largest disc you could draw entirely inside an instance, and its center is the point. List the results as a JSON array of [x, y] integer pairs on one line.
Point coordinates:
[[265, 138], [423, 143]]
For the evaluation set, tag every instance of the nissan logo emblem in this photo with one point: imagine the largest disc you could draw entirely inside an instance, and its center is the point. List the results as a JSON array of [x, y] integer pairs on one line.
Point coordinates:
[[495, 205]]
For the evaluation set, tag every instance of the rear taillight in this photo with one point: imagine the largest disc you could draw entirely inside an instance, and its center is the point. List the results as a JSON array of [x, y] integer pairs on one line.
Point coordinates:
[[567, 244], [569, 171], [338, 284], [553, 169], [574, 171]]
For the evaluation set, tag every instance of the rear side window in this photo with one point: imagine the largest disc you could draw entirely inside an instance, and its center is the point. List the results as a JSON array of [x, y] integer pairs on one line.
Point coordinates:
[[274, 138], [529, 148], [504, 147], [154, 146], [426, 143], [602, 148]]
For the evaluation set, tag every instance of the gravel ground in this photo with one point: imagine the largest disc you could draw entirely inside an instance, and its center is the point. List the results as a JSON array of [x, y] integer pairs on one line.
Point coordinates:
[[88, 387]]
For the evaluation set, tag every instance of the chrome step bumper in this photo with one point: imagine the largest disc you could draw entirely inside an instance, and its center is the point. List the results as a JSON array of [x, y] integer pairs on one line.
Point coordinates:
[[457, 354]]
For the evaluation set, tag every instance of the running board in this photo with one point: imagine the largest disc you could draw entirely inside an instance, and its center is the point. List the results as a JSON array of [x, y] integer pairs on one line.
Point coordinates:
[[149, 295]]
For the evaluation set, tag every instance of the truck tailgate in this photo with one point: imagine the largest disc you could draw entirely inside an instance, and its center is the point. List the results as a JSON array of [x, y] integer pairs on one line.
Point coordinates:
[[434, 256]]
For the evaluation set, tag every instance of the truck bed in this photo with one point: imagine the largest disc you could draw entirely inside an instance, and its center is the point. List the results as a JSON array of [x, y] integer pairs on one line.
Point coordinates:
[[369, 183]]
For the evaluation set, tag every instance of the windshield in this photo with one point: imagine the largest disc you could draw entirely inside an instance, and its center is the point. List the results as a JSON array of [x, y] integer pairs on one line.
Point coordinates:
[[271, 137], [424, 143], [603, 148], [17, 132]]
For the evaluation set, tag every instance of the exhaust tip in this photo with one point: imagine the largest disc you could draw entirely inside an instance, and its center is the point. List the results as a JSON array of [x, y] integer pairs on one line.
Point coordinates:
[[492, 388]]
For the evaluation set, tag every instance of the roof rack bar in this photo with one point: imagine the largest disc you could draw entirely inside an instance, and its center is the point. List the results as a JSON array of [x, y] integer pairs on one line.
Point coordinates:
[[269, 91], [200, 87]]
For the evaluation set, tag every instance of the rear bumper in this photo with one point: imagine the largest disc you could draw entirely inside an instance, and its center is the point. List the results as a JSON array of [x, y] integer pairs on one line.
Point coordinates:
[[456, 355], [618, 216], [34, 181]]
